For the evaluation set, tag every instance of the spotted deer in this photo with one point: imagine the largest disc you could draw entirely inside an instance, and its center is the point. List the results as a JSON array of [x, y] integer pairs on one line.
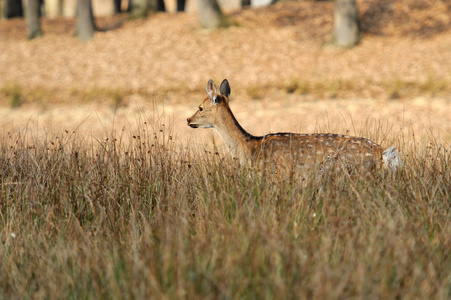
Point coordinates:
[[324, 150]]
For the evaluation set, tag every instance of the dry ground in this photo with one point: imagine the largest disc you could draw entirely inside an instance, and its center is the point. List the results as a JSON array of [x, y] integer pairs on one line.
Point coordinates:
[[283, 74]]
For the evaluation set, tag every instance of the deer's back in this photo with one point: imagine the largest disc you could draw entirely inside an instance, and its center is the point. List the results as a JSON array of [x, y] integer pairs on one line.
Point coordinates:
[[325, 149]]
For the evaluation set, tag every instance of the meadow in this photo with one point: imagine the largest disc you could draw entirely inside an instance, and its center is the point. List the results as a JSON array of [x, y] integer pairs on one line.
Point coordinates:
[[136, 214], [105, 192]]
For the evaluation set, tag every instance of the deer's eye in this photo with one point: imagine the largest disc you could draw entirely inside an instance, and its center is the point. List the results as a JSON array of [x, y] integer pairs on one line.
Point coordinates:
[[200, 108]]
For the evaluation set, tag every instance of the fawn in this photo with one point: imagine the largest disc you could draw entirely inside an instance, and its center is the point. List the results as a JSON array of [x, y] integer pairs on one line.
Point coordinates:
[[324, 150]]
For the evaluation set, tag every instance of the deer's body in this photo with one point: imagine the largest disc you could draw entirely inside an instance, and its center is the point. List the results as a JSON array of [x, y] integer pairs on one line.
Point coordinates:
[[287, 149]]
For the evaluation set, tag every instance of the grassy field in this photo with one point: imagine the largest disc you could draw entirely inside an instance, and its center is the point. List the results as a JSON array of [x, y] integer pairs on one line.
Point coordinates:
[[135, 214], [101, 197]]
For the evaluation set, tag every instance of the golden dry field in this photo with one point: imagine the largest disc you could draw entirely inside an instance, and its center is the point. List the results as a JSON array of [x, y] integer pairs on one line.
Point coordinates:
[[107, 193]]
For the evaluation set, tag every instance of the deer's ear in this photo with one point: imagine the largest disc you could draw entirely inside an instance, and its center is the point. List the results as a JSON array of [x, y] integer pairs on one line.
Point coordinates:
[[212, 91], [225, 88]]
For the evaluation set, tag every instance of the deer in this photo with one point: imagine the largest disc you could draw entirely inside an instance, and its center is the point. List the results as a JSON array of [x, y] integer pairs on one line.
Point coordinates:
[[326, 151]]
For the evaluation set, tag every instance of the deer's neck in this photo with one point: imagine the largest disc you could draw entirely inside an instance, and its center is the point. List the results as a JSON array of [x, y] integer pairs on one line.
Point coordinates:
[[238, 140]]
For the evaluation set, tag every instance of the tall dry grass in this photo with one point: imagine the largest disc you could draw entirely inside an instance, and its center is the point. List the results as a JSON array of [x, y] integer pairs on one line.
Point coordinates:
[[135, 215]]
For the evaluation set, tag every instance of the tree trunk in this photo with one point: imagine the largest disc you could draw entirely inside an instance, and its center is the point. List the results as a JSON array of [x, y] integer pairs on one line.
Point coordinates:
[[2, 9], [14, 9], [85, 20], [181, 5], [346, 27], [34, 19], [161, 6], [129, 6], [210, 15], [245, 3], [117, 6], [139, 8], [60, 8], [155, 5]]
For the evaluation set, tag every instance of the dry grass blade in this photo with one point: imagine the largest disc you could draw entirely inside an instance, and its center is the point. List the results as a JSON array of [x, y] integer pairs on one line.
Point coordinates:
[[133, 215]]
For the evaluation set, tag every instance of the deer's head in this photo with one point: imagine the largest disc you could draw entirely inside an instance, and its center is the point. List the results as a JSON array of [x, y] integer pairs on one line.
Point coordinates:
[[206, 115]]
